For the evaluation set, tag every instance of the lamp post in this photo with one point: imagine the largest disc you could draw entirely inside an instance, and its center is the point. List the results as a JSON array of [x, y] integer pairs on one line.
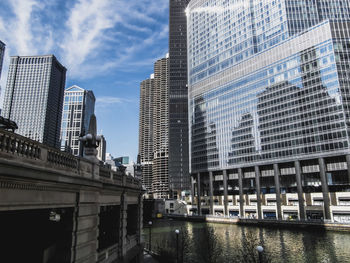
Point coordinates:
[[149, 236], [260, 250], [177, 231]]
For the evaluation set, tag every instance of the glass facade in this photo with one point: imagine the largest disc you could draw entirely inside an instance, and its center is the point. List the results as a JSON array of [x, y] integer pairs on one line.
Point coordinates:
[[263, 90], [2, 53], [223, 33], [34, 97], [78, 106], [179, 178]]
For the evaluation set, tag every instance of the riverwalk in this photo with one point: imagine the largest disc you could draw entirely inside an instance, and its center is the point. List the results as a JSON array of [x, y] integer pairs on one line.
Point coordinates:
[[265, 222]]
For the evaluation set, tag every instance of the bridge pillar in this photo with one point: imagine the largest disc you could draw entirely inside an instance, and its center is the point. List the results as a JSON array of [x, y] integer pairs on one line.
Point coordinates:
[[85, 227], [123, 223]]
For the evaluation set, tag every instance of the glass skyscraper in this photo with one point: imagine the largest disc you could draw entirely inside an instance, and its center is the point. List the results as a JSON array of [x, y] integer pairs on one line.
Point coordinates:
[[179, 178], [101, 149], [34, 97], [2, 53], [78, 106], [269, 107]]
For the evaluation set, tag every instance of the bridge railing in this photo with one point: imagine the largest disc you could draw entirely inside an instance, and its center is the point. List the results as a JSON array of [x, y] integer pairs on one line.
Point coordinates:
[[117, 177], [17, 148], [12, 143]]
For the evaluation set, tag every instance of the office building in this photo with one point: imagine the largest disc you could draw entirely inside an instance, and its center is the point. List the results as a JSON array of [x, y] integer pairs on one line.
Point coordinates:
[[122, 160], [269, 108], [34, 97], [179, 178], [2, 53], [78, 106], [146, 131], [101, 149]]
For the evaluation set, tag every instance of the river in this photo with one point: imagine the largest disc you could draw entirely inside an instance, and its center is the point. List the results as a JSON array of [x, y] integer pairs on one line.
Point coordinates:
[[216, 243]]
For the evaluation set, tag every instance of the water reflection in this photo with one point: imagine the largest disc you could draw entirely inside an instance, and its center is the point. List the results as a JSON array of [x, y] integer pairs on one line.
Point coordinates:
[[229, 242]]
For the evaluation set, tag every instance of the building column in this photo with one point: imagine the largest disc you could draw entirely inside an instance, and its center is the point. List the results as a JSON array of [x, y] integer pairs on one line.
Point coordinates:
[[211, 202], [278, 190], [325, 190], [225, 192], [241, 199], [348, 164], [258, 192], [192, 190], [300, 190], [199, 193]]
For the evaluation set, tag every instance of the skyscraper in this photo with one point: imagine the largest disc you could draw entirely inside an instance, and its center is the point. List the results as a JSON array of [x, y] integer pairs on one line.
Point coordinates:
[[78, 106], [269, 107], [2, 53], [101, 149], [179, 178], [160, 177], [153, 131], [146, 131], [34, 97]]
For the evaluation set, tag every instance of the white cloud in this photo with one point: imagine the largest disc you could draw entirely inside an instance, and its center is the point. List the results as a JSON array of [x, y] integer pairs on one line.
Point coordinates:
[[22, 33], [86, 24], [106, 101], [87, 36]]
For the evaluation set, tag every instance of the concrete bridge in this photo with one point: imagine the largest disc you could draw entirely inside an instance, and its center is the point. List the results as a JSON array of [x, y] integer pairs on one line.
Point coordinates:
[[55, 207]]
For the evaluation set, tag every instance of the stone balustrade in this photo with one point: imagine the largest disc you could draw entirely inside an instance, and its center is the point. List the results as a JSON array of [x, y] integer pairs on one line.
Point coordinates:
[[14, 147]]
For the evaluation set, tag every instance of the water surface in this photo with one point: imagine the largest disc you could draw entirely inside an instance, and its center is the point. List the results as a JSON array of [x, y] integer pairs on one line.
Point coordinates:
[[207, 242]]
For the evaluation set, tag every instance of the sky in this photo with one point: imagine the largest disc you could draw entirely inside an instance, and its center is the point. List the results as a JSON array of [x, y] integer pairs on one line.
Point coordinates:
[[108, 46]]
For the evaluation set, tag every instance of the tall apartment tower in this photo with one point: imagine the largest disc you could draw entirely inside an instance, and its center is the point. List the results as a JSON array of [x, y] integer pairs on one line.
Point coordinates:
[[78, 106], [34, 97], [153, 130], [179, 178], [146, 131], [160, 179], [269, 107]]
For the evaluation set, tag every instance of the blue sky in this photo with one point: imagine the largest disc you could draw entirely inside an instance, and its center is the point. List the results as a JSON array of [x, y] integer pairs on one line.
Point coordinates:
[[108, 46]]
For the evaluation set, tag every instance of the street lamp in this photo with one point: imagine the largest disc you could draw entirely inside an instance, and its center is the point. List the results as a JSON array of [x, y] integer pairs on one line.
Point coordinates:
[[149, 236], [260, 250], [177, 232]]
